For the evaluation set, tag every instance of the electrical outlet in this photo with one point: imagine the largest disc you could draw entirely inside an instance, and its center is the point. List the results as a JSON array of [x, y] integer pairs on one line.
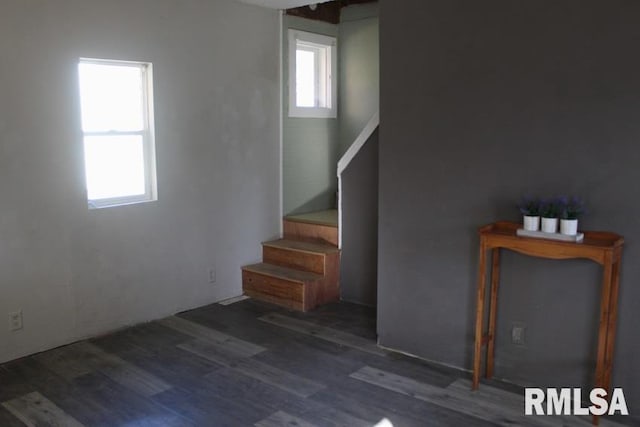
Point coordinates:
[[15, 320], [212, 275], [518, 333]]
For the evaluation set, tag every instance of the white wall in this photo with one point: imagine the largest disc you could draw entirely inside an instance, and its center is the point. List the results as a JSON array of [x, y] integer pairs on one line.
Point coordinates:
[[76, 272]]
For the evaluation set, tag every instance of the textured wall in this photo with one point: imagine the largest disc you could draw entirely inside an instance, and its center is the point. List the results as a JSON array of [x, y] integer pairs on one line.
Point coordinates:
[[76, 272], [481, 102]]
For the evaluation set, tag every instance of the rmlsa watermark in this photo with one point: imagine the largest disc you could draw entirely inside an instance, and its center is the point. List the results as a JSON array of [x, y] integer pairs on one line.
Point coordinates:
[[568, 401]]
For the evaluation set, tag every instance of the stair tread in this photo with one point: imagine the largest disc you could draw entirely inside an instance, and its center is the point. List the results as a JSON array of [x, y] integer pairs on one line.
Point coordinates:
[[327, 218], [282, 272], [302, 246]]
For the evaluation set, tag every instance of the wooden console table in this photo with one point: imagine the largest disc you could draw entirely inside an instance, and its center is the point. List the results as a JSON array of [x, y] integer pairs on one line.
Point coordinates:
[[602, 247]]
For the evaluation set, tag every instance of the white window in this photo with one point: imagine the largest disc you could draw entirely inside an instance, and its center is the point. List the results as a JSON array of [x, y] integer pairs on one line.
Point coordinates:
[[117, 125], [312, 75]]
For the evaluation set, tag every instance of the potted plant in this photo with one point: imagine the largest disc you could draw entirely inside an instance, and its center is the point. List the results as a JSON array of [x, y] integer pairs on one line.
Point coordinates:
[[530, 209], [571, 209], [549, 210]]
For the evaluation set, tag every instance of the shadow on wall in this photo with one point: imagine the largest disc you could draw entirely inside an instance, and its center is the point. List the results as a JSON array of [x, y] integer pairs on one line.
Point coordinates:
[[318, 203], [359, 258]]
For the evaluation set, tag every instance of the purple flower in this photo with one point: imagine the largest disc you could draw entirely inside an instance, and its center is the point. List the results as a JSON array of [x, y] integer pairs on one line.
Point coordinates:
[[529, 206], [549, 208], [571, 207]]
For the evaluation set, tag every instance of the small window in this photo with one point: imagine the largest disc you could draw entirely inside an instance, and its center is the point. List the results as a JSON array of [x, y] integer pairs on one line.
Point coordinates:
[[117, 125], [312, 71]]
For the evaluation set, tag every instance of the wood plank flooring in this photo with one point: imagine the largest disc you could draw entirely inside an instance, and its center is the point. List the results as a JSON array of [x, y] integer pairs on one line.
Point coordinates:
[[250, 363], [35, 409]]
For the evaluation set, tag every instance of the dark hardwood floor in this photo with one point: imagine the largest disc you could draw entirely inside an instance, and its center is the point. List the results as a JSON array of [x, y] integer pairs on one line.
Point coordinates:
[[250, 364]]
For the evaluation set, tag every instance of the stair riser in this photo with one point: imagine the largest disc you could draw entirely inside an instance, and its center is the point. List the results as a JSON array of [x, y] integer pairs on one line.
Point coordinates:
[[310, 232], [305, 261], [331, 283], [278, 291]]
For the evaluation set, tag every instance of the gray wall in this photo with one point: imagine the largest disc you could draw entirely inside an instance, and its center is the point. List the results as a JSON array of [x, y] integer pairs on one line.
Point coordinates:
[[76, 272], [359, 257], [481, 102], [309, 145], [359, 69]]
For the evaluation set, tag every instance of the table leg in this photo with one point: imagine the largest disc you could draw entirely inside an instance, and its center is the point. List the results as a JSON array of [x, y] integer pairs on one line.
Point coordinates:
[[603, 330], [611, 330], [477, 356], [493, 309], [604, 323]]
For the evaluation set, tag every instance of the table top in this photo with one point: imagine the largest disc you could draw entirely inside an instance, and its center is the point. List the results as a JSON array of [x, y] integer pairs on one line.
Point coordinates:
[[592, 239]]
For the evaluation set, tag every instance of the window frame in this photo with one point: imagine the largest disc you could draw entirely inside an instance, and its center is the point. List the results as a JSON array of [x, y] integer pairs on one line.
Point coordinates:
[[147, 133], [329, 79]]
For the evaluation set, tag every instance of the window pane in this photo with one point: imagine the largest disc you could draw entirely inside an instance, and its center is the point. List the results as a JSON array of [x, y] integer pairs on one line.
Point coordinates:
[[305, 78], [312, 83], [114, 166], [111, 97]]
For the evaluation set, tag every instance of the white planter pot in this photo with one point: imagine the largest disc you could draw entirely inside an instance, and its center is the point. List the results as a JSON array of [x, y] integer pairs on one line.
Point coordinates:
[[569, 227], [550, 225], [531, 223]]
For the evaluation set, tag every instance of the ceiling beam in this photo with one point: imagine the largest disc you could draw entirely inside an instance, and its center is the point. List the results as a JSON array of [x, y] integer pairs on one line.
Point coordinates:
[[327, 12]]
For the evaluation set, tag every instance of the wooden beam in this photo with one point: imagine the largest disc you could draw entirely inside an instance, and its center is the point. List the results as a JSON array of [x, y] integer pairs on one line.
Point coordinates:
[[326, 12]]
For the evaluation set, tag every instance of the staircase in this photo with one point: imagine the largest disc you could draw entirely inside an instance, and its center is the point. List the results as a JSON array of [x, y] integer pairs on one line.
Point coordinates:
[[300, 271]]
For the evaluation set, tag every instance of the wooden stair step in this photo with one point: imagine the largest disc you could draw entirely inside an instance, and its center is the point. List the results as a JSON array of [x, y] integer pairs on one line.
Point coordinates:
[[281, 285], [307, 256], [327, 217], [302, 246], [314, 227], [301, 270], [284, 273]]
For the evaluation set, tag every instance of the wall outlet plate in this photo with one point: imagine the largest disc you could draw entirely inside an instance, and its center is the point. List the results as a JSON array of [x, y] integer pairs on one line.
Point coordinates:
[[518, 333], [212, 275], [15, 320]]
